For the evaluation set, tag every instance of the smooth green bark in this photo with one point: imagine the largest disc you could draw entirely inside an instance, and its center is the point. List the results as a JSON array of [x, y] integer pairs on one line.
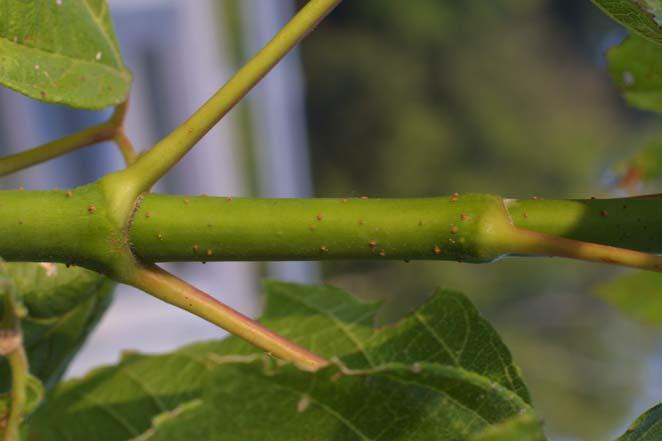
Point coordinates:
[[633, 223], [207, 228], [76, 227], [72, 227]]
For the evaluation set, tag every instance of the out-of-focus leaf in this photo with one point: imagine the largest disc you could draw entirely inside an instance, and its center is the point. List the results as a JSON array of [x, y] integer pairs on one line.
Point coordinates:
[[520, 428], [648, 427], [643, 167], [636, 67], [62, 51], [63, 305], [641, 16], [639, 295], [442, 373]]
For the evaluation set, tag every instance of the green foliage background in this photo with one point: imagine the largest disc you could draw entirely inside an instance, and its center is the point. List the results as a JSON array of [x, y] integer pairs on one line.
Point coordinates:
[[510, 97]]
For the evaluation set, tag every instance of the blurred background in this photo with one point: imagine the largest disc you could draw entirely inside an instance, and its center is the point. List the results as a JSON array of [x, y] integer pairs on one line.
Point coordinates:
[[388, 99]]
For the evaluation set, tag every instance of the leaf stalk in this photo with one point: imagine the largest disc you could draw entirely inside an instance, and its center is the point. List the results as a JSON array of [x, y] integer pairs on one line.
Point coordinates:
[[165, 286], [106, 131]]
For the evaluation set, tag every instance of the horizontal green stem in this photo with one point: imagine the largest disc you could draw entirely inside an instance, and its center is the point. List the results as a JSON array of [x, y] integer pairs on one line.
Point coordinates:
[[181, 228], [73, 227], [174, 228]]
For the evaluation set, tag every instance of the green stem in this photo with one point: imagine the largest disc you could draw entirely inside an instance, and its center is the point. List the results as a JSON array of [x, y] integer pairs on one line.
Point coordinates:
[[72, 226], [164, 155], [540, 244], [51, 226], [174, 228], [92, 135], [18, 363], [81, 226], [467, 228], [621, 222], [175, 291], [11, 346], [125, 147]]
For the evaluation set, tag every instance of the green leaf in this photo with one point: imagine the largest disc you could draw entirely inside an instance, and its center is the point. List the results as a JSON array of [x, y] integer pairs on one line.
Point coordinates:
[[641, 16], [524, 427], [391, 402], [441, 373], [643, 167], [63, 305], [638, 295], [50, 290], [636, 68], [648, 427], [62, 51]]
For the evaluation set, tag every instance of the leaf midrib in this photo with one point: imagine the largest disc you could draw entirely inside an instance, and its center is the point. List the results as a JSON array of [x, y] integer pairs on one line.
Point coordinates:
[[106, 36], [121, 69]]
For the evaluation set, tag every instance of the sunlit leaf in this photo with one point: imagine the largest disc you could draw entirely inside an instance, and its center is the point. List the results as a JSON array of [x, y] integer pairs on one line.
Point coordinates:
[[62, 51]]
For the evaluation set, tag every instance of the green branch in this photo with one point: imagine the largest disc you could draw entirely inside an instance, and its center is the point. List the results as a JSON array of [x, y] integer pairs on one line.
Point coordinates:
[[471, 228], [81, 227], [105, 131], [11, 347], [206, 228], [125, 146], [90, 226], [18, 363], [166, 153], [177, 292], [74, 227]]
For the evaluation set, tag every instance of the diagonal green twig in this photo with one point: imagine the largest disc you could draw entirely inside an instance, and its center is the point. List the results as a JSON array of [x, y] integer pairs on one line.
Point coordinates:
[[165, 286], [106, 131], [165, 154]]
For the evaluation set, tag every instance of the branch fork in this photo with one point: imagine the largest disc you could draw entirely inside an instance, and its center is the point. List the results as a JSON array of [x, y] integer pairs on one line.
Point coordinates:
[[117, 200]]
